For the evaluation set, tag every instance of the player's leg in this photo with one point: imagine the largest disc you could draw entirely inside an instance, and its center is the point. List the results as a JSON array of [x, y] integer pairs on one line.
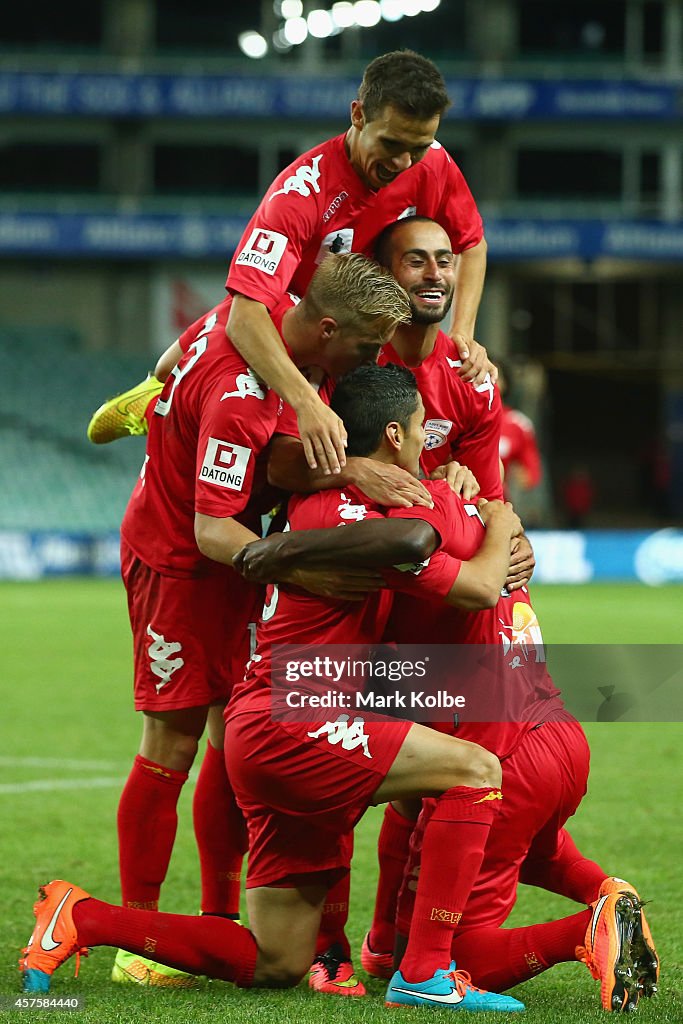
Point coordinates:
[[392, 854], [276, 952], [465, 781], [125, 414], [219, 826], [332, 970]]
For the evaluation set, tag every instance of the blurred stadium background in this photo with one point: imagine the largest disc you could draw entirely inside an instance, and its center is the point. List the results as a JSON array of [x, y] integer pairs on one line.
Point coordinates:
[[137, 136]]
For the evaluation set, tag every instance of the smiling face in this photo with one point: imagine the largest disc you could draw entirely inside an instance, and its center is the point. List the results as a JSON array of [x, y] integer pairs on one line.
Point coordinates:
[[381, 149], [422, 261]]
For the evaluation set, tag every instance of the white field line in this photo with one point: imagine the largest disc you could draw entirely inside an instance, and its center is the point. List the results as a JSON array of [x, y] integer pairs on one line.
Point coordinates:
[[60, 763], [47, 785]]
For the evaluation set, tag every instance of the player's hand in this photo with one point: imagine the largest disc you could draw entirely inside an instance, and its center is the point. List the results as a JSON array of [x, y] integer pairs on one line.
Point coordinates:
[[389, 485], [338, 584], [522, 563], [323, 436], [475, 361], [503, 512], [262, 561], [460, 479]]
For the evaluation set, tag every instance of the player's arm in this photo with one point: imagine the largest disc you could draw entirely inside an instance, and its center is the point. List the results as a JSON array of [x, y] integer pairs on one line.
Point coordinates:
[[253, 333], [168, 360], [220, 539], [481, 579], [387, 485], [370, 544]]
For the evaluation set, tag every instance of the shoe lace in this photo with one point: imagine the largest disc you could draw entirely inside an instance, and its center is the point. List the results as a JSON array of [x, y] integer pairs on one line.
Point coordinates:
[[463, 982]]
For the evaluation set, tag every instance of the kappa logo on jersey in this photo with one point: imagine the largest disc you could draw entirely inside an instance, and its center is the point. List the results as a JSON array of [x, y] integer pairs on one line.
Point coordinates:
[[160, 653], [224, 464], [436, 433], [248, 386], [336, 242], [485, 386], [349, 735], [409, 211], [350, 512], [303, 179], [263, 251], [334, 206]]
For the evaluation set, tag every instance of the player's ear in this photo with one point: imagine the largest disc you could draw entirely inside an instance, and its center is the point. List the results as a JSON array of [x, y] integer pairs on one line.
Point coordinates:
[[357, 115], [393, 434], [328, 328]]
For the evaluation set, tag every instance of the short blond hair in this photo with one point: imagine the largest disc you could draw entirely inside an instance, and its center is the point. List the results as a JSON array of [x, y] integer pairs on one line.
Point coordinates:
[[358, 294]]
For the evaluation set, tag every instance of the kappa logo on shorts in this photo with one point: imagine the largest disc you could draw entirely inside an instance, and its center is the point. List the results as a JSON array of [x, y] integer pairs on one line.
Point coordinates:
[[349, 735], [263, 251], [224, 464], [436, 433], [163, 665]]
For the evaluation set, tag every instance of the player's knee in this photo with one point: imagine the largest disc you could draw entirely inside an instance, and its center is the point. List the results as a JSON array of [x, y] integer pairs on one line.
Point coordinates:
[[285, 971], [485, 769]]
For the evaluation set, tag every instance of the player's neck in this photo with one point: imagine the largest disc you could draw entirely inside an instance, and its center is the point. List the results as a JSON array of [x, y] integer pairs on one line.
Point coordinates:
[[303, 346], [414, 343]]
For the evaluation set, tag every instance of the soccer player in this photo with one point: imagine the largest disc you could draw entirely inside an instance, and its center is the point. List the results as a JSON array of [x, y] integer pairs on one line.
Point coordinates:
[[337, 197], [518, 446], [302, 786], [198, 500]]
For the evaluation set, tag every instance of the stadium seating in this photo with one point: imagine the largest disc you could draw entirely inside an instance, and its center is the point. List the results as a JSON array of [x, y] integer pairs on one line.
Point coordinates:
[[51, 477]]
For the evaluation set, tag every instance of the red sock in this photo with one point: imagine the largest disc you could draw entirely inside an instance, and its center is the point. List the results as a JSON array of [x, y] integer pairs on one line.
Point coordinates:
[[392, 854], [452, 852], [566, 871], [199, 945], [498, 958], [147, 823], [221, 835], [334, 917]]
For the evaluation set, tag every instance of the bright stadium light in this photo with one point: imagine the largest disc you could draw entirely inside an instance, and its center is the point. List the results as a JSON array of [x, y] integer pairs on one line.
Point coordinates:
[[295, 30], [342, 14], [280, 44], [411, 7], [429, 5], [291, 8], [392, 10], [252, 44], [320, 24], [367, 13]]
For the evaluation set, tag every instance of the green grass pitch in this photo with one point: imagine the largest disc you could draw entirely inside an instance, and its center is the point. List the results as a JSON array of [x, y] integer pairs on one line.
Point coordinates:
[[68, 735]]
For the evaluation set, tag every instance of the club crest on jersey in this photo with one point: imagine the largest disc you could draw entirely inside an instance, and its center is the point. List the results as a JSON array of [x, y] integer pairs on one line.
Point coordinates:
[[436, 433], [263, 251], [336, 242], [224, 464], [247, 386], [302, 181]]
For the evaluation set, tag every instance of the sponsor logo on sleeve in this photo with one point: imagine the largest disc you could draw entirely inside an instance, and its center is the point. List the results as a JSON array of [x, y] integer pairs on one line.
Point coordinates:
[[263, 251], [336, 242], [224, 464], [436, 433], [302, 181]]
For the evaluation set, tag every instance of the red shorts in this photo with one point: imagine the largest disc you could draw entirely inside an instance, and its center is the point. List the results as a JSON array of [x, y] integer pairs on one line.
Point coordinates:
[[544, 782], [301, 794], [191, 637]]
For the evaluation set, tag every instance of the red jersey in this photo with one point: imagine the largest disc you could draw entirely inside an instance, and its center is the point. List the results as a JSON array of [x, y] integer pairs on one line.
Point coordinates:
[[512, 625], [210, 425], [462, 422], [296, 617], [319, 204], [518, 445]]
